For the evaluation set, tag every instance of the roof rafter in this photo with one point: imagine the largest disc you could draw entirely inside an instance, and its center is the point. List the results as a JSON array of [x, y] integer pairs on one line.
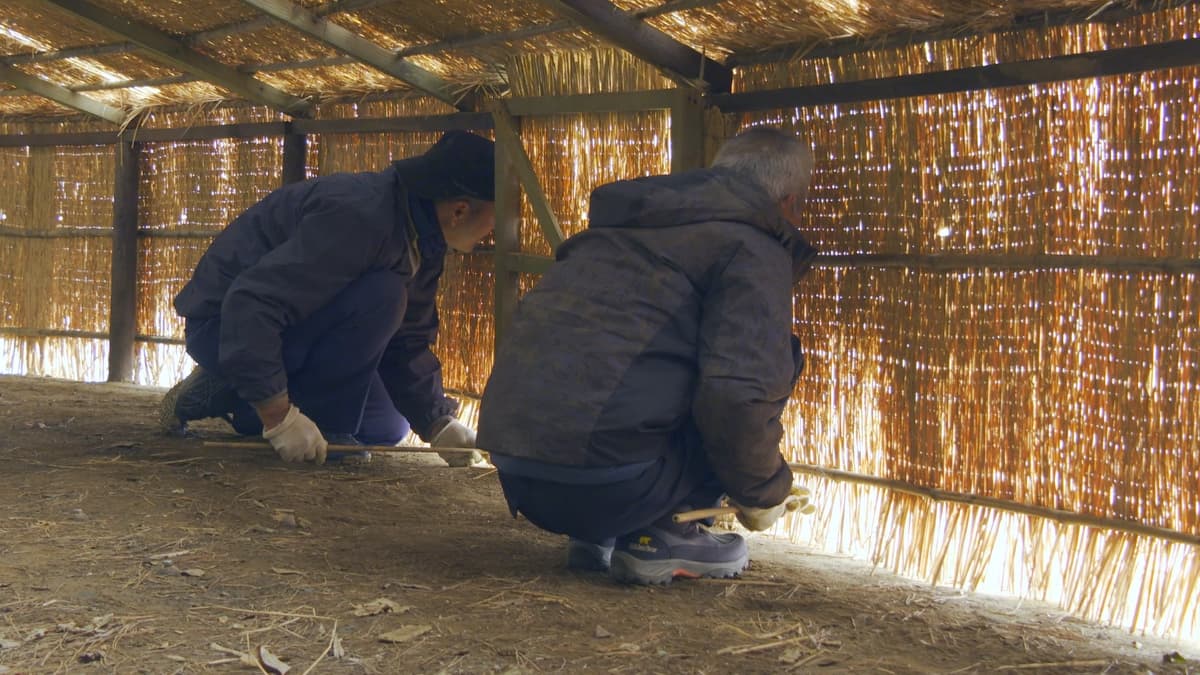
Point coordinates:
[[626, 31], [162, 47], [61, 95], [362, 49]]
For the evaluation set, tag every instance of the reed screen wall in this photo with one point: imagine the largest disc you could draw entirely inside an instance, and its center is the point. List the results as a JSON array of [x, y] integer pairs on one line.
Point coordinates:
[[969, 361]]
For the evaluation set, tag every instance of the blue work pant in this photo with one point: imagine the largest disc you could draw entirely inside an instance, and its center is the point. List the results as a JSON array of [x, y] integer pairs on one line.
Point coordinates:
[[332, 360]]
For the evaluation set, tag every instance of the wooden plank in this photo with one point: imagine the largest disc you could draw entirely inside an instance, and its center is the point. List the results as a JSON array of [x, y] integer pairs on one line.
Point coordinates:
[[295, 158], [626, 31], [1017, 263], [632, 101], [480, 120], [1110, 13], [526, 262], [687, 132], [209, 133], [16, 331], [43, 140], [507, 135], [364, 50], [365, 125], [61, 95], [168, 49], [1173, 54], [508, 242], [122, 324]]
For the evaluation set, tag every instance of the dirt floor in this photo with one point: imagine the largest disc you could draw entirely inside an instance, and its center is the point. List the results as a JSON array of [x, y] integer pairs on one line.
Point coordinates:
[[125, 551]]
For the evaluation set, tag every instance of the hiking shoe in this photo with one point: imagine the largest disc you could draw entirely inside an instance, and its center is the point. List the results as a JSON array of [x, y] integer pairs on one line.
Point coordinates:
[[198, 396], [588, 557], [345, 456], [661, 552]]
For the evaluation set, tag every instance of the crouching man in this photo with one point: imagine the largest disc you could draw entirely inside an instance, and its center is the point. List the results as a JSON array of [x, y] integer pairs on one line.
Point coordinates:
[[312, 314], [646, 372]]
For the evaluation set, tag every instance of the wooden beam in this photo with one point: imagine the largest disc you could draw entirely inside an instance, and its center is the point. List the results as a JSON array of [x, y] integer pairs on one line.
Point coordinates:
[[627, 101], [61, 95], [362, 49], [1123, 61], [122, 324], [508, 243], [1110, 13], [358, 125], [687, 132], [295, 158], [626, 31], [366, 125], [508, 136], [164, 48]]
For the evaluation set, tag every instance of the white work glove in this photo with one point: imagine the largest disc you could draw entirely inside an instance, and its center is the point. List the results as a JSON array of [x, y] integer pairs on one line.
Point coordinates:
[[756, 519], [457, 435], [297, 438]]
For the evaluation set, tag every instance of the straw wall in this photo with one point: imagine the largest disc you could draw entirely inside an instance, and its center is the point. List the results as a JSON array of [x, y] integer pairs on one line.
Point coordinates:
[[50, 281], [1067, 389]]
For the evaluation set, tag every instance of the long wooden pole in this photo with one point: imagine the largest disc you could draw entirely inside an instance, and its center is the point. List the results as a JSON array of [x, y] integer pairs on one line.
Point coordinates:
[[122, 324]]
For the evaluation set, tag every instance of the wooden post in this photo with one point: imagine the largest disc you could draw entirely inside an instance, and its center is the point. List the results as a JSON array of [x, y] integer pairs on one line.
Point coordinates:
[[508, 237], [122, 324], [687, 132], [295, 156]]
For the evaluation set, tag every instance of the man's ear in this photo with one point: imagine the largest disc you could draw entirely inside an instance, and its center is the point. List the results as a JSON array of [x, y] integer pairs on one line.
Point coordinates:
[[461, 210]]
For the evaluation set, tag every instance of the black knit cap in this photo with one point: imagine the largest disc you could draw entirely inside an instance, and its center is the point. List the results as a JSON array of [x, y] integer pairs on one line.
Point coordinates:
[[460, 164]]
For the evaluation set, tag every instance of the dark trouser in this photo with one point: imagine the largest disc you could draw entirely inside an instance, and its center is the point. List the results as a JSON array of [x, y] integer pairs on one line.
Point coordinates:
[[598, 513], [332, 361]]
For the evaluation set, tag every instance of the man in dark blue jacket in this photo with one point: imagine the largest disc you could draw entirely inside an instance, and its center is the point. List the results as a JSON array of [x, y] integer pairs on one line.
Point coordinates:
[[312, 314], [646, 372]]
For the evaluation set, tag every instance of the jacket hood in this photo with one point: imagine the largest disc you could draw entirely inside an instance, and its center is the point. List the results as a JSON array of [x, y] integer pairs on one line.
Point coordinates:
[[698, 196]]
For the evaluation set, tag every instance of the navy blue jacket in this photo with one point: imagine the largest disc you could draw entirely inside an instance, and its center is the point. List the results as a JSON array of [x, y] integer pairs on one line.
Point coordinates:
[[290, 254], [670, 315]]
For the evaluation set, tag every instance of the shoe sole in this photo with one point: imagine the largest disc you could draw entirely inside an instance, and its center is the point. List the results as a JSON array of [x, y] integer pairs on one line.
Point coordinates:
[[631, 570]]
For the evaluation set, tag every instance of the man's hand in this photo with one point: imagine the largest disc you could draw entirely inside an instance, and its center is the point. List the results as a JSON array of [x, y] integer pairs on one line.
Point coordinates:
[[455, 434], [297, 438], [757, 519]]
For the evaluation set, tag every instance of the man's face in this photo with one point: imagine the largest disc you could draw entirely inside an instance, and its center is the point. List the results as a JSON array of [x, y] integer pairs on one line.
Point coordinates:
[[464, 224], [792, 207]]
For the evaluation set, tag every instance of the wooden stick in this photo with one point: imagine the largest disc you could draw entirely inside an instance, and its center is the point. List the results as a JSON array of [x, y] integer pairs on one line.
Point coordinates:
[[239, 445], [701, 514]]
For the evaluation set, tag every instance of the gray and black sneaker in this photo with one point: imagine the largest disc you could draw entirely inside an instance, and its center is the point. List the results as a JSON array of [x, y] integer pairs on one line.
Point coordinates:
[[586, 556], [345, 456], [664, 551], [198, 396]]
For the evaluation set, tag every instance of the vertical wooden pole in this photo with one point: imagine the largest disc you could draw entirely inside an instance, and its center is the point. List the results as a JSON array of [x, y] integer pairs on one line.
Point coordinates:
[[122, 323], [508, 237], [687, 131], [295, 157]]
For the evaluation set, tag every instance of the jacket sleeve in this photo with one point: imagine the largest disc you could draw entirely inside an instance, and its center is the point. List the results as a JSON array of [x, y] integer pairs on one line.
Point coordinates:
[[410, 370], [326, 250], [746, 370]]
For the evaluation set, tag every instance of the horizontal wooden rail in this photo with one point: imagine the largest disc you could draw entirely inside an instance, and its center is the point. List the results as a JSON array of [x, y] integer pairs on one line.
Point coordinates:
[[951, 262], [16, 331], [1058, 515], [1122, 61]]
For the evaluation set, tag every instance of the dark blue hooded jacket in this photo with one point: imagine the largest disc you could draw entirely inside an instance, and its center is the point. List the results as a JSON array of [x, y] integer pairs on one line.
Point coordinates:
[[671, 314], [291, 253]]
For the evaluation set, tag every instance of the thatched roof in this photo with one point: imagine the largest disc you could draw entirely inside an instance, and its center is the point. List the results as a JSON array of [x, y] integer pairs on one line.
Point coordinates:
[[132, 54]]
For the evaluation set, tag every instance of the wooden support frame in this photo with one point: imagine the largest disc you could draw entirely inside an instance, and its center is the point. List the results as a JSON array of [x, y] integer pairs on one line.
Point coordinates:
[[508, 241], [164, 48], [61, 95], [364, 50], [295, 158], [1123, 61], [624, 30], [514, 152], [122, 324], [687, 132]]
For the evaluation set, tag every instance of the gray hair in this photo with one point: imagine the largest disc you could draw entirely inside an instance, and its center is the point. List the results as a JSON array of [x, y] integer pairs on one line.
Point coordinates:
[[776, 160]]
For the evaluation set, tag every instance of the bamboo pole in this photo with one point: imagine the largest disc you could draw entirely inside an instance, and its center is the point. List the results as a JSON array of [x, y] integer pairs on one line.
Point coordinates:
[[1058, 515], [385, 449]]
